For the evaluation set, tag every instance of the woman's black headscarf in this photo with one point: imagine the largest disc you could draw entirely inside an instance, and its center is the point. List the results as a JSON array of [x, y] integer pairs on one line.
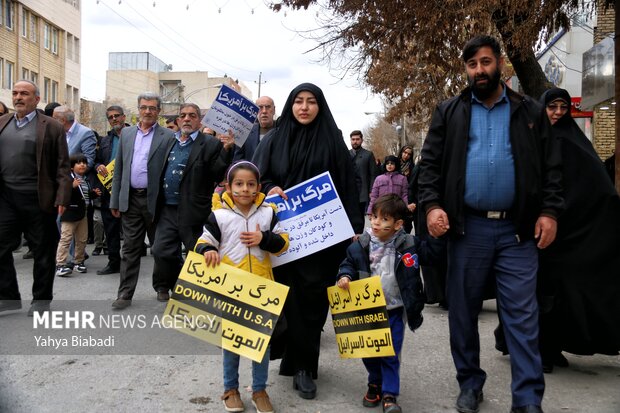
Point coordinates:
[[293, 153]]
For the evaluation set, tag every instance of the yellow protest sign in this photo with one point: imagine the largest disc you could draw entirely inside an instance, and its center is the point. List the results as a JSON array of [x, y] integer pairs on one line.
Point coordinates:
[[106, 181], [226, 306], [360, 319]]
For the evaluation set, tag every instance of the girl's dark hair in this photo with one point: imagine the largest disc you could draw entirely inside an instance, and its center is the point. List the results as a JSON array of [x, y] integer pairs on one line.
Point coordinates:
[[77, 158], [247, 165], [394, 160], [390, 205]]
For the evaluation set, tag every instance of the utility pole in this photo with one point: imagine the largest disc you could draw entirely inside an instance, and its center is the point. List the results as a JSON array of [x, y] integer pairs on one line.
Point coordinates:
[[260, 76]]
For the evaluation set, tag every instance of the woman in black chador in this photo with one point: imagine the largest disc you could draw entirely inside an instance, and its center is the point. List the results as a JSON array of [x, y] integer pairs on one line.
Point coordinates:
[[306, 142], [579, 273]]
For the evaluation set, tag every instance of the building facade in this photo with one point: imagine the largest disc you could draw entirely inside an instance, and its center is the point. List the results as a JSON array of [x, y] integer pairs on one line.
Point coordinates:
[[40, 41], [132, 73]]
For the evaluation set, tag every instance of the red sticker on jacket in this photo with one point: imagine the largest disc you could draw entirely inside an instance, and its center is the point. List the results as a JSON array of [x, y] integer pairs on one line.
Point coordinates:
[[410, 260]]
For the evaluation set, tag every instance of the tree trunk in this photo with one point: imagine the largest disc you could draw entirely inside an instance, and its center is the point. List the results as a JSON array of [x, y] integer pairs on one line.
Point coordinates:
[[529, 72]]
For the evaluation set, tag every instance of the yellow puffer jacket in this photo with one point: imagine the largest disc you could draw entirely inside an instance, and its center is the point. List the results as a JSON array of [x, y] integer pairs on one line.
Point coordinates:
[[225, 225]]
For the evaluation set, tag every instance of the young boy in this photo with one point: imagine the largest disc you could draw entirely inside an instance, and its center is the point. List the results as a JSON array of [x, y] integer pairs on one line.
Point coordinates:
[[73, 223], [387, 251]]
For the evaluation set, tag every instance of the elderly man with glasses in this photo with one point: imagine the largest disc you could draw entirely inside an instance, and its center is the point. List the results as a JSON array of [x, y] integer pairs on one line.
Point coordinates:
[[135, 188]]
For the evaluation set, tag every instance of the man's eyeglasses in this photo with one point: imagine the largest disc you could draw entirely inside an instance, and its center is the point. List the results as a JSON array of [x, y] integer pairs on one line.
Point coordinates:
[[114, 116], [145, 108]]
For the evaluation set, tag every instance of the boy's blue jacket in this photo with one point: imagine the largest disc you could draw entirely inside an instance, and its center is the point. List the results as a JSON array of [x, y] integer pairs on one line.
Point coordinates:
[[410, 252]]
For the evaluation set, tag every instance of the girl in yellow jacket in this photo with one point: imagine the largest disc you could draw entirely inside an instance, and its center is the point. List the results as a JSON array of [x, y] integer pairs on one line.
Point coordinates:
[[242, 231]]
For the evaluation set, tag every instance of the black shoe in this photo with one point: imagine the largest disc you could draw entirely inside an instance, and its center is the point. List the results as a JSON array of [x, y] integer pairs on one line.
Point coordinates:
[[121, 303], [468, 401], [163, 296], [303, 383], [97, 251], [108, 269], [373, 396], [38, 307], [10, 305], [28, 255], [530, 408], [390, 405]]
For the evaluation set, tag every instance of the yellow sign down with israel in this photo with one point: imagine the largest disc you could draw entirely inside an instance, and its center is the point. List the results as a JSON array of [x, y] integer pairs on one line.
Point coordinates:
[[360, 319], [231, 308]]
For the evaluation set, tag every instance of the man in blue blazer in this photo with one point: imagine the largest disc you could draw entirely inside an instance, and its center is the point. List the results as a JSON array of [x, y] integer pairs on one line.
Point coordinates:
[[141, 155], [80, 139]]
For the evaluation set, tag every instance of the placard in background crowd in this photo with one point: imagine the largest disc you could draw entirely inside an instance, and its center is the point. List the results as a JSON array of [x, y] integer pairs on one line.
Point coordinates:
[[231, 110]]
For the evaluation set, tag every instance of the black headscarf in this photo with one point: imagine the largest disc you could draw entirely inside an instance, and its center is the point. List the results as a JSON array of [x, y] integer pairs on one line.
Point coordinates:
[[292, 153], [580, 268]]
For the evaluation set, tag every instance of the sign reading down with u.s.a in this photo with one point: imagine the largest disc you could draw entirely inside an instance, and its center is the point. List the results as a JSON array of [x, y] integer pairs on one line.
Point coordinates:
[[226, 306]]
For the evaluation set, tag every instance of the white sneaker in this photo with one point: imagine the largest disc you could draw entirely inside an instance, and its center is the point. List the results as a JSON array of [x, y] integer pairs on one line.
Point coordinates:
[[63, 271]]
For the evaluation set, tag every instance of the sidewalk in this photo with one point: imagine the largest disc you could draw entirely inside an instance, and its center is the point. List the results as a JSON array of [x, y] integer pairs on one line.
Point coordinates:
[[193, 383]]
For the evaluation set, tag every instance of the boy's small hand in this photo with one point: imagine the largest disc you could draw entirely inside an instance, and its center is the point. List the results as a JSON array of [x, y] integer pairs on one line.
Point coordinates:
[[411, 207], [97, 191], [76, 182], [343, 283], [252, 238], [212, 258]]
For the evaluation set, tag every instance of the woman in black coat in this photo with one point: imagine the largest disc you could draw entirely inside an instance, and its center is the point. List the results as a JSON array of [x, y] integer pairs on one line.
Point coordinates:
[[305, 143], [579, 273]]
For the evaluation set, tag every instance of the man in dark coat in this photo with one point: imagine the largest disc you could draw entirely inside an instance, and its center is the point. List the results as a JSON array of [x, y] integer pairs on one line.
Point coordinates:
[[491, 176], [35, 187], [108, 147], [195, 164], [365, 168]]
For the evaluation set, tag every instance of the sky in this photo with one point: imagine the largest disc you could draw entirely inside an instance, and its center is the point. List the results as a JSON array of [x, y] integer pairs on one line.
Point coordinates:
[[239, 38]]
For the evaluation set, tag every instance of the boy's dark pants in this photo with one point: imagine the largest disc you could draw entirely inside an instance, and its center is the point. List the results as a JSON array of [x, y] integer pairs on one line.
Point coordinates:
[[385, 371]]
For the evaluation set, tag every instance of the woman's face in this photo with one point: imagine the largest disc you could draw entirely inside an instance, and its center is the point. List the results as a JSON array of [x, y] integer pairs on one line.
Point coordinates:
[[406, 155], [556, 109], [305, 107]]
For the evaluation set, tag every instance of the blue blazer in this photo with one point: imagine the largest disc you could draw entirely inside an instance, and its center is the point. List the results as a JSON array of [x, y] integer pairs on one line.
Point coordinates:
[[83, 141]]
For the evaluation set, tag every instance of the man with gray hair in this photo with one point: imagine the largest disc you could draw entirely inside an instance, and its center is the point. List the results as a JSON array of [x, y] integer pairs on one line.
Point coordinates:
[[135, 188], [35, 187], [80, 139], [195, 164]]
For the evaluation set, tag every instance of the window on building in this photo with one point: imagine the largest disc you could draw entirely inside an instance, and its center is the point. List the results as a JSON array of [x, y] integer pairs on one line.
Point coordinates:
[[46, 89], [33, 27], [24, 28], [46, 36], [54, 91], [9, 14], [54, 40], [69, 46], [76, 49], [1, 68], [9, 74], [76, 97], [25, 73], [34, 78]]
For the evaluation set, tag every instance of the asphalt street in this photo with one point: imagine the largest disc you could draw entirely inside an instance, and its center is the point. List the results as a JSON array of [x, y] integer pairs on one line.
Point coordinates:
[[141, 379]]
